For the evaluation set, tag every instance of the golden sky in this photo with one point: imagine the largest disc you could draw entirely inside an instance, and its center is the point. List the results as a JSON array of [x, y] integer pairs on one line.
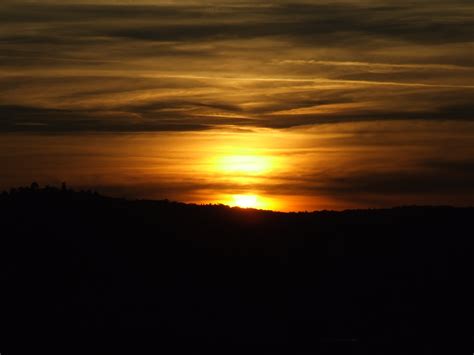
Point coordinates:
[[286, 105]]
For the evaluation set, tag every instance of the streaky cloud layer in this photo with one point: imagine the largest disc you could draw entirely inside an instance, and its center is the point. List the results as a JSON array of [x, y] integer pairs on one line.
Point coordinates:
[[193, 65]]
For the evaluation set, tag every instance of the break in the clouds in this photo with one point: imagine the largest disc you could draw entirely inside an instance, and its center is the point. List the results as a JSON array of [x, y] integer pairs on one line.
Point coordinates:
[[194, 65], [329, 166]]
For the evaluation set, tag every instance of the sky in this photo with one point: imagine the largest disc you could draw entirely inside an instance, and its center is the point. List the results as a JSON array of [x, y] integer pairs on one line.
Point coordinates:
[[287, 105]]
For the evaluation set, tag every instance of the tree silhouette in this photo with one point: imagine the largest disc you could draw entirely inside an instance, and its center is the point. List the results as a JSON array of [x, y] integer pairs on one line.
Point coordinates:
[[196, 277]]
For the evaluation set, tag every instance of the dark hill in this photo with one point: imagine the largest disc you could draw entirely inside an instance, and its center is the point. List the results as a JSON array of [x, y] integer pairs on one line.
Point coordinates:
[[82, 273]]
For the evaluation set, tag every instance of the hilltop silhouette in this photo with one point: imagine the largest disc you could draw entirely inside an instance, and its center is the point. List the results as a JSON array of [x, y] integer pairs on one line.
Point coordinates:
[[84, 273]]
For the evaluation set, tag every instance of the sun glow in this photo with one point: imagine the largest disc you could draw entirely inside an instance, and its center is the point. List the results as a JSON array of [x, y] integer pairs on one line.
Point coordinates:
[[244, 164], [245, 201]]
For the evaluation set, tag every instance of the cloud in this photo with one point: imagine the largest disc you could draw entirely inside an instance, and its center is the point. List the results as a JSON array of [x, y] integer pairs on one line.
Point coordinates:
[[114, 65]]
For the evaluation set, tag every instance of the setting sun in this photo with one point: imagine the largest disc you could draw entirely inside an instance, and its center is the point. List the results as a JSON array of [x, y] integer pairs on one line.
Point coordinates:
[[245, 201], [289, 175]]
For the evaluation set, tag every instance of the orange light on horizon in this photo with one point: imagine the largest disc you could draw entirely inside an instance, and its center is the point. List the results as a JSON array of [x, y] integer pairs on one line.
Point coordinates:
[[246, 201]]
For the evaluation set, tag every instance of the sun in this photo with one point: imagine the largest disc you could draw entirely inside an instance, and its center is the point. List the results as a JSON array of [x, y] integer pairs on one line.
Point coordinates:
[[245, 201], [244, 164]]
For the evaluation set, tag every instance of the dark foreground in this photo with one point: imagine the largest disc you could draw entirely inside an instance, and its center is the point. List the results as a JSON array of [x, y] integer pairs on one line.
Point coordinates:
[[84, 274]]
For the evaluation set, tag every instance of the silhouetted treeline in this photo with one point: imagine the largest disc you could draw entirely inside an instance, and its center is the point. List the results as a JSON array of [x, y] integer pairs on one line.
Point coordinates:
[[151, 277]]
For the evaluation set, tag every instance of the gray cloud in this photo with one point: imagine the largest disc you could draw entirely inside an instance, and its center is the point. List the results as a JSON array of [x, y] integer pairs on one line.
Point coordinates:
[[187, 65], [417, 21]]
